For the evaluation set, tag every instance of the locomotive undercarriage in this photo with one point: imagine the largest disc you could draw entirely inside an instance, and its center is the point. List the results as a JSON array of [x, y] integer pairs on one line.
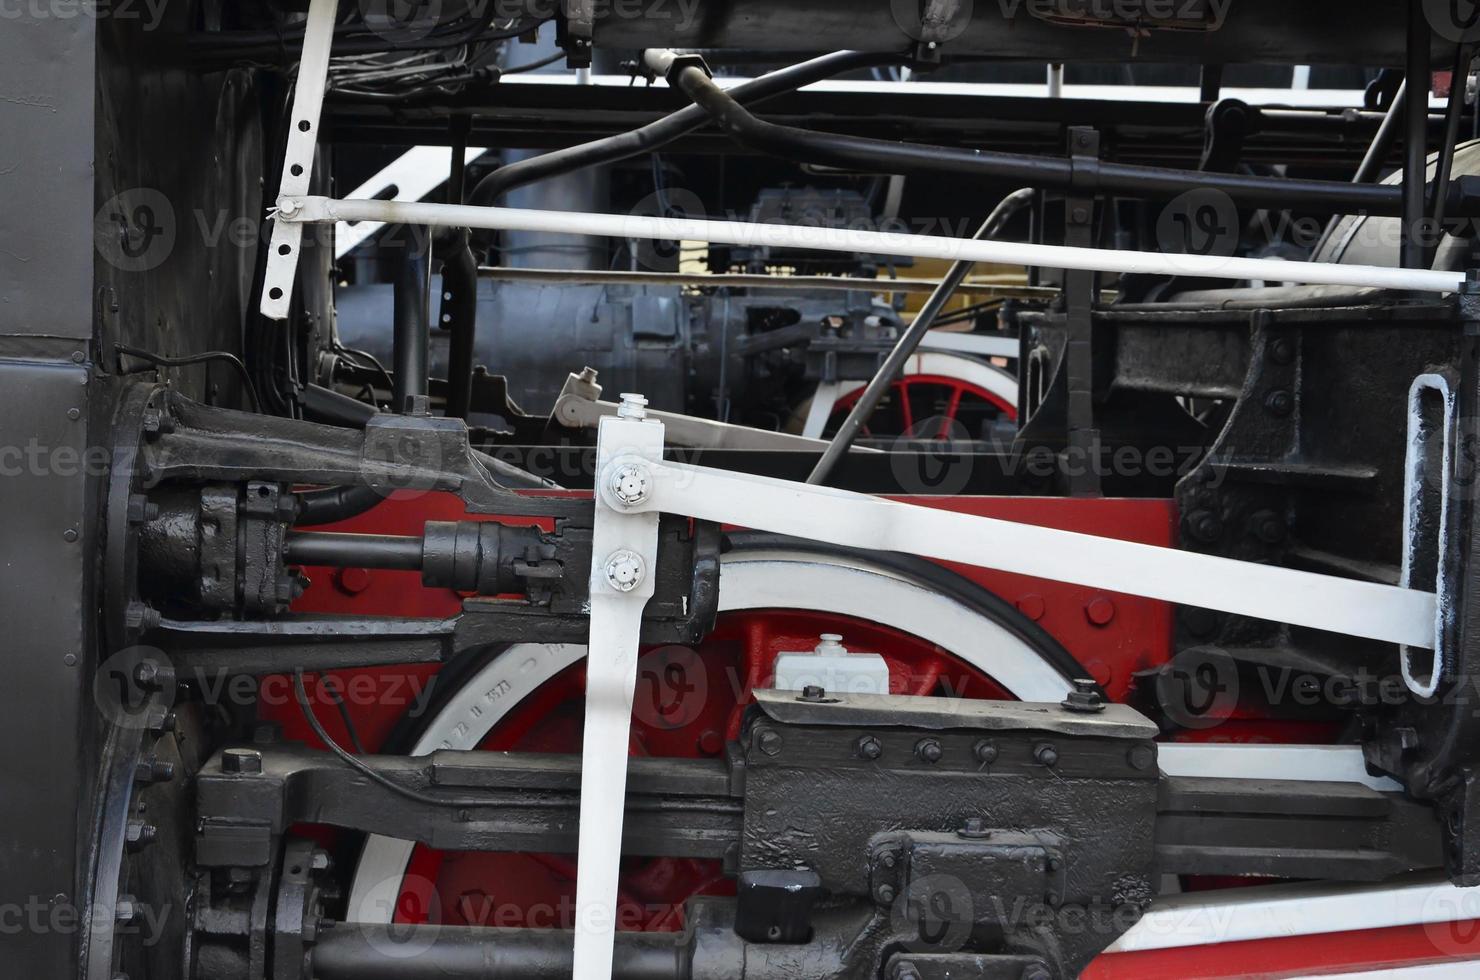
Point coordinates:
[[358, 633]]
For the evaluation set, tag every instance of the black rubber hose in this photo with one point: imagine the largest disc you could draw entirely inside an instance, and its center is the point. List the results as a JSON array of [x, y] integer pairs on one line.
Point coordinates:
[[660, 132], [333, 504], [883, 156]]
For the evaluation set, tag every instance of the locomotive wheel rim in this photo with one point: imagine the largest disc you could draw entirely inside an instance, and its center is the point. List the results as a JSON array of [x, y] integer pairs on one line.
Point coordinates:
[[990, 383], [752, 580]]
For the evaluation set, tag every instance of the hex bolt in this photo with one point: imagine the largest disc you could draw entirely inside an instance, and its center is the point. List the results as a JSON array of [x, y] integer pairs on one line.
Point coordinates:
[[769, 741], [887, 859], [1281, 350], [321, 861], [1279, 403], [138, 616], [1045, 754], [870, 747], [633, 406], [124, 908], [630, 483], [153, 770], [1142, 756], [814, 693], [985, 752], [137, 834], [1085, 697], [243, 762], [975, 828], [624, 570], [1204, 525], [885, 892], [928, 750]]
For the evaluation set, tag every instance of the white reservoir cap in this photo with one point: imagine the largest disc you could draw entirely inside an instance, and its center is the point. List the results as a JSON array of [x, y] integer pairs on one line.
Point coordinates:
[[831, 667]]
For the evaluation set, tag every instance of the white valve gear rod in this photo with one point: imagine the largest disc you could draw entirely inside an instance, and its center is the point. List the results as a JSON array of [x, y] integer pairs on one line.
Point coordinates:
[[855, 520], [319, 210]]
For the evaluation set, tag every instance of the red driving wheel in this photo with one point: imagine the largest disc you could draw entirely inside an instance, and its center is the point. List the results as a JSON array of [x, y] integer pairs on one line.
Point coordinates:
[[689, 701], [926, 406]]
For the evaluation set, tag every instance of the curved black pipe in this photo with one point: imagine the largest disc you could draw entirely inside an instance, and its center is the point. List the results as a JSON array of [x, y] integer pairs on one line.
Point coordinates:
[[333, 504], [859, 153], [663, 131]]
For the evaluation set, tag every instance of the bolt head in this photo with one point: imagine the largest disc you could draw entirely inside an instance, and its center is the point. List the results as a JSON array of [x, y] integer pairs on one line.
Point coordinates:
[[928, 750], [241, 761], [985, 752], [1045, 754], [870, 747], [769, 741], [630, 483], [632, 406], [624, 570], [884, 893]]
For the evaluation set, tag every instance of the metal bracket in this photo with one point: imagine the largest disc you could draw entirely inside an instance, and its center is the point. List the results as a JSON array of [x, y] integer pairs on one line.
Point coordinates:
[[303, 137], [624, 553]]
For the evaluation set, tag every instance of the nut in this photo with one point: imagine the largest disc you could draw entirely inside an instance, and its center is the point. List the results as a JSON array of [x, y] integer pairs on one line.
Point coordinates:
[[630, 483], [624, 570]]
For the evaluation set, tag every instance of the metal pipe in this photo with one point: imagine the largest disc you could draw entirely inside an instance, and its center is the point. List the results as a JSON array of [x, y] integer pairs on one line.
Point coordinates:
[[338, 550], [740, 280], [872, 155], [1457, 80], [1377, 152], [412, 341], [908, 341], [359, 951], [663, 131], [1415, 151], [1382, 140], [318, 210]]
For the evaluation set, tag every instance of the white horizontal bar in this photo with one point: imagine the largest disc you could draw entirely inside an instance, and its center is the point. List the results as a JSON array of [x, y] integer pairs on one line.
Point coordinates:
[[1308, 763], [1285, 595], [1307, 909], [322, 209], [1322, 98], [414, 174]]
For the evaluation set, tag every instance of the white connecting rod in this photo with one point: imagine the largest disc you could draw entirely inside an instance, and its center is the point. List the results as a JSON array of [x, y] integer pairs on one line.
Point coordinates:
[[325, 209], [1365, 609]]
